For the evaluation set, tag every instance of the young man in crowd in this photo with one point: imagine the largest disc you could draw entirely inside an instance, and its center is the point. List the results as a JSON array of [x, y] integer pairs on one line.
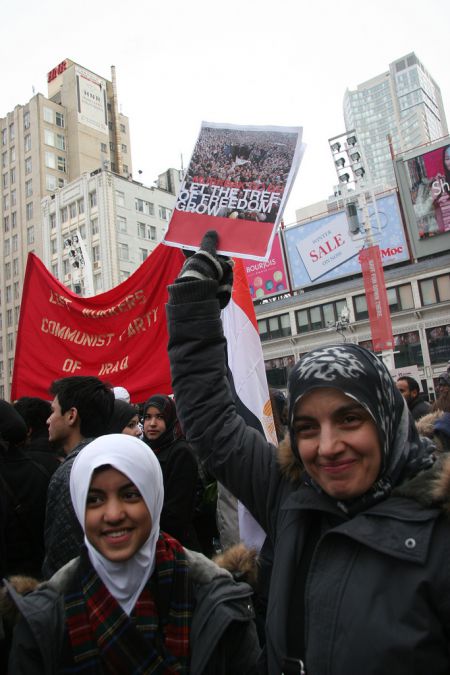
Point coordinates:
[[81, 410], [417, 402]]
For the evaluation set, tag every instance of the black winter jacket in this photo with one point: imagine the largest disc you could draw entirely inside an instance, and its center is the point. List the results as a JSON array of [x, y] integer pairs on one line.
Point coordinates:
[[377, 592], [223, 633]]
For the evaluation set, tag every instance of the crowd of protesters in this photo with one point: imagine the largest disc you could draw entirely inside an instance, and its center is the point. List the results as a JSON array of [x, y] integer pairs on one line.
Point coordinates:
[[107, 570]]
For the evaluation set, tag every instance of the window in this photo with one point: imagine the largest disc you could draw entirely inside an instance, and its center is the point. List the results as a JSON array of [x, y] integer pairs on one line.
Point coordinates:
[[407, 349], [12, 154], [143, 253], [10, 342], [435, 290], [124, 148], [66, 266], [111, 146], [438, 339], [9, 318], [28, 187], [55, 269], [29, 210], [28, 165], [125, 168], [61, 182], [60, 142], [164, 213], [49, 137], [52, 221], [144, 207], [12, 132], [53, 246], [6, 203], [59, 120], [82, 230], [400, 297], [30, 235], [120, 198], [7, 247], [360, 305], [124, 275], [15, 243], [16, 267], [274, 327], [64, 214], [146, 231], [73, 210], [7, 270], [13, 198], [26, 120], [322, 316], [81, 205], [61, 164], [4, 136], [96, 253], [50, 160], [16, 290], [8, 294], [121, 224], [103, 147], [12, 175], [94, 226], [98, 286], [5, 180], [48, 115], [122, 128], [4, 160], [123, 252], [27, 143], [6, 223], [13, 219], [93, 199], [50, 182]]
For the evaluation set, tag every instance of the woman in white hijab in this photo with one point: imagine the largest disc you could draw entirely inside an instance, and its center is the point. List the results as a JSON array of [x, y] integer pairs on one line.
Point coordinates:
[[125, 606]]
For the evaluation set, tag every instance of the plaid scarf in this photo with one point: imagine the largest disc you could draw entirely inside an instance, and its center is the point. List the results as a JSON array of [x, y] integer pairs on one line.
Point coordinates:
[[154, 639]]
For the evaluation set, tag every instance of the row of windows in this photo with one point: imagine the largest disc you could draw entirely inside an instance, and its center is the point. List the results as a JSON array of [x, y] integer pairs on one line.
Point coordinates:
[[407, 352], [400, 298], [145, 207]]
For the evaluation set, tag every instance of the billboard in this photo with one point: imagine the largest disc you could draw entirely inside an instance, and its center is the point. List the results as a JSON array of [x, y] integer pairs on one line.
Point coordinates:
[[266, 279], [423, 178], [91, 99], [323, 249]]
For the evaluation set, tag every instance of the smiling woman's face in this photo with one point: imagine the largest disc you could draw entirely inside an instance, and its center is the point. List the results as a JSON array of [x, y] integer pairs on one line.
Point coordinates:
[[338, 442], [117, 520]]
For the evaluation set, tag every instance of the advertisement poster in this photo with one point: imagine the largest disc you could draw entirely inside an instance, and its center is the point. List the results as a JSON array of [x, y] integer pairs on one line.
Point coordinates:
[[377, 301], [266, 279], [429, 185], [91, 95], [237, 183], [323, 249]]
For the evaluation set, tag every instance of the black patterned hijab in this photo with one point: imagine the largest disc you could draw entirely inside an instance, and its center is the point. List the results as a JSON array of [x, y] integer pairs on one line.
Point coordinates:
[[362, 376]]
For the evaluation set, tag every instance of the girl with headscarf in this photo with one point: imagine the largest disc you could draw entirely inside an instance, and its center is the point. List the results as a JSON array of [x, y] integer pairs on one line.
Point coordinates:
[[354, 502], [179, 468], [135, 601], [125, 419]]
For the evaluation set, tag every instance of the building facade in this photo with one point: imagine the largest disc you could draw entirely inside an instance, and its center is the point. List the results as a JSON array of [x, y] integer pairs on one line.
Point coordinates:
[[406, 103]]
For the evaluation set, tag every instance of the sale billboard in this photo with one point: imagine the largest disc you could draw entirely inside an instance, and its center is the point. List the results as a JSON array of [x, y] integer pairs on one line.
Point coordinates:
[[323, 249]]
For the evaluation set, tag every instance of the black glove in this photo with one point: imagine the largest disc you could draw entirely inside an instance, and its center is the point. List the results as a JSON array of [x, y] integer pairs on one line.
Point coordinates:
[[206, 264]]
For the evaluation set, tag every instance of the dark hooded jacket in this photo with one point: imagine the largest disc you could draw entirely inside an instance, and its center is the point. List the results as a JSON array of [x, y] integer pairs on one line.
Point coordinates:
[[376, 593], [223, 636]]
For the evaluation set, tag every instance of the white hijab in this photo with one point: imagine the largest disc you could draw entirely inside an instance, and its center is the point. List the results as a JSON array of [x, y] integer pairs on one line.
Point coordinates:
[[133, 458]]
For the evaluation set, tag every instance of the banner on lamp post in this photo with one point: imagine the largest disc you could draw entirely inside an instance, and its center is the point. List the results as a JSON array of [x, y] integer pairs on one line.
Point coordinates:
[[377, 301]]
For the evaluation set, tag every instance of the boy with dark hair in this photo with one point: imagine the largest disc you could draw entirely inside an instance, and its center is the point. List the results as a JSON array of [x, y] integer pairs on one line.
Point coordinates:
[[81, 410]]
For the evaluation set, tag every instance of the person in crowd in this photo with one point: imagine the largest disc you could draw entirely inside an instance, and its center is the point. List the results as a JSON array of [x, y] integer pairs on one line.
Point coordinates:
[[125, 419], [81, 409], [179, 467], [121, 394], [416, 400], [36, 411], [354, 500], [134, 600], [24, 484]]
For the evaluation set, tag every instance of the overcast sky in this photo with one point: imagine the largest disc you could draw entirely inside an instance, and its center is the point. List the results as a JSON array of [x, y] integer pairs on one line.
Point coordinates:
[[238, 61]]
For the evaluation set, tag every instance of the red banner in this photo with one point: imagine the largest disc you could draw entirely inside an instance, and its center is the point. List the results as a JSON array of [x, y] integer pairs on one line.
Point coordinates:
[[120, 336], [376, 296]]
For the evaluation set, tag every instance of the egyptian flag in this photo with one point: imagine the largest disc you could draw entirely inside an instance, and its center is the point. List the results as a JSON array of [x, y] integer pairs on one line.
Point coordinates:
[[248, 380]]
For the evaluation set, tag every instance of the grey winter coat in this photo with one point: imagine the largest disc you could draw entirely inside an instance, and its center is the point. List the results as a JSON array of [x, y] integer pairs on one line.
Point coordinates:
[[223, 634], [377, 593]]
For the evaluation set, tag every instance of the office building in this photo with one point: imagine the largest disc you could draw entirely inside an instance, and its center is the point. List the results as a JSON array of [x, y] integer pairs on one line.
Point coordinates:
[[404, 103]]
